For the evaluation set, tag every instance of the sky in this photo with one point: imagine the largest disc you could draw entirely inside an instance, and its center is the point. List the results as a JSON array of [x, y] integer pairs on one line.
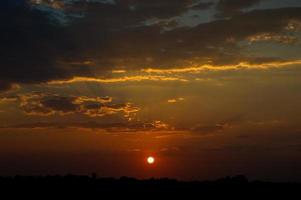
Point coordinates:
[[209, 88]]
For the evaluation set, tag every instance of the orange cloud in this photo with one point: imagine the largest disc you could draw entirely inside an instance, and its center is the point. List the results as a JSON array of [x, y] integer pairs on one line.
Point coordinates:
[[172, 101], [118, 80], [209, 67], [175, 100], [118, 71]]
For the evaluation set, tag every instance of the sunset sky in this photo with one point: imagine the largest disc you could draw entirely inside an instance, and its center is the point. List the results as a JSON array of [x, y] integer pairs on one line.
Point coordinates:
[[209, 88]]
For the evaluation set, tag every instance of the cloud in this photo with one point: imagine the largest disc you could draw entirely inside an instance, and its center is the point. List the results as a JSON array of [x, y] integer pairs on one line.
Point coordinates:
[[284, 39], [6, 85], [101, 37], [31, 46], [175, 100], [118, 80], [120, 127], [50, 104], [171, 101], [208, 67], [56, 4], [208, 129], [41, 104], [202, 5], [8, 99], [228, 8], [181, 74], [137, 47]]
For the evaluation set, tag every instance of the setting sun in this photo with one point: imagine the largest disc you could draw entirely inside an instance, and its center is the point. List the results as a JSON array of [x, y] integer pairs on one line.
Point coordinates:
[[148, 89], [150, 160]]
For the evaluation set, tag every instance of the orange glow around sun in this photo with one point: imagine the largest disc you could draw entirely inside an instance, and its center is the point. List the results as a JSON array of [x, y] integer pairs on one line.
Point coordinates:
[[150, 160]]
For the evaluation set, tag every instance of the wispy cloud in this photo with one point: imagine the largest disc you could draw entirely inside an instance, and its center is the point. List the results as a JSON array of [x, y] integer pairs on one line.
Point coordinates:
[[119, 80], [209, 67], [175, 100]]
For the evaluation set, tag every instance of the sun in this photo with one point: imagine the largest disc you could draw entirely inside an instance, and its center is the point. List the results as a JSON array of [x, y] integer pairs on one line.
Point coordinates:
[[150, 160]]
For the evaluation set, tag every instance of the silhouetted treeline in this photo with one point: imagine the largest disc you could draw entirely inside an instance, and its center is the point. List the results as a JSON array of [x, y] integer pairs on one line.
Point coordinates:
[[91, 186]]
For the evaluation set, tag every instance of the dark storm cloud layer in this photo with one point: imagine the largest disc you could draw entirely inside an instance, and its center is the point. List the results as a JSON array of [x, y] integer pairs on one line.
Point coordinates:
[[31, 45], [36, 48], [124, 43]]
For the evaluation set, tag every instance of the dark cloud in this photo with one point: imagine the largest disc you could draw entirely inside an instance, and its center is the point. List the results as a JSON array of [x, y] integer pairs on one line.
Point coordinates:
[[59, 103], [133, 10], [32, 44], [228, 8], [5, 85], [148, 46], [49, 104], [203, 5], [36, 47]]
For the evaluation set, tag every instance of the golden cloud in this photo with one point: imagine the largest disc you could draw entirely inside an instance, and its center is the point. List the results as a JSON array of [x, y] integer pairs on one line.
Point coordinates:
[[49, 104], [175, 100], [118, 80], [284, 39], [209, 67], [149, 74]]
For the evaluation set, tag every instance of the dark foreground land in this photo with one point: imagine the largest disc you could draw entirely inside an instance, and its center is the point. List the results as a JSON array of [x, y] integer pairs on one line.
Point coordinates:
[[91, 187]]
